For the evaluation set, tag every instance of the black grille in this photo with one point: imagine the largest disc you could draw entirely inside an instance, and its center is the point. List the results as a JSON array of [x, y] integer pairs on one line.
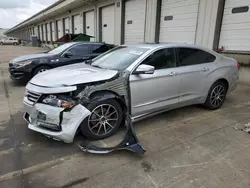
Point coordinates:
[[32, 97]]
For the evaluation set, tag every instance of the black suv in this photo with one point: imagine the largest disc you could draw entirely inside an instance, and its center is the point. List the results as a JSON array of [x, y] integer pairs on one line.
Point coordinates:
[[25, 67]]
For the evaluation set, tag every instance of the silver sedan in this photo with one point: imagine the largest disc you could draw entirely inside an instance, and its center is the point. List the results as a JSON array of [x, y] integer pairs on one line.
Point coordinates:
[[93, 97]]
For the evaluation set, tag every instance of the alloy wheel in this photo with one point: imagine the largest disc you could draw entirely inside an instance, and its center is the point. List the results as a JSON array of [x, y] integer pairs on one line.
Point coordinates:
[[103, 119], [42, 70], [217, 96]]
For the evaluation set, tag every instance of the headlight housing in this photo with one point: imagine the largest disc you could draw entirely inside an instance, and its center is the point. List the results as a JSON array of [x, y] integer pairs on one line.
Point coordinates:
[[22, 64], [61, 102]]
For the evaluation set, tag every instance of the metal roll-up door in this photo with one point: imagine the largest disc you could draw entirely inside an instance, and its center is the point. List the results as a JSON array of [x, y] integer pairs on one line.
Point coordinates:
[[48, 32], [59, 28], [76, 24], [235, 29], [66, 26], [44, 32], [40, 32], [53, 31], [108, 24], [134, 29], [36, 31], [179, 21], [90, 23]]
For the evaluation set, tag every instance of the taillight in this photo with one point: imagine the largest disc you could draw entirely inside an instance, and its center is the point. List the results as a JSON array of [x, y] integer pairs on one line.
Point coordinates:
[[238, 66]]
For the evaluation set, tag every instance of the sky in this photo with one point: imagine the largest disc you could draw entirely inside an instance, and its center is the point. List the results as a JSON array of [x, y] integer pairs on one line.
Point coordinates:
[[13, 12]]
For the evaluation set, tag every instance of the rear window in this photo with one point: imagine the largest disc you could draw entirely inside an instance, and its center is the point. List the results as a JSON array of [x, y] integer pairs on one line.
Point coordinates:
[[192, 56], [101, 48]]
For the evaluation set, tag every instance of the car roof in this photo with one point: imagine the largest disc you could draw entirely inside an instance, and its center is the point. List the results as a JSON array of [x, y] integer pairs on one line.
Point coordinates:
[[86, 42], [153, 46]]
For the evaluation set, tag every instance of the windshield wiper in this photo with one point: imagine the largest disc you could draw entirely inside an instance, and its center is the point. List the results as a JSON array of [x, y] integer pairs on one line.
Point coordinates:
[[88, 62], [96, 66]]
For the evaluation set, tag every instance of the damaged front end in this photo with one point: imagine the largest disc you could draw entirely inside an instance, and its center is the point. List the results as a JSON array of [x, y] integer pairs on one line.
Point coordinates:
[[119, 85], [60, 115], [57, 116]]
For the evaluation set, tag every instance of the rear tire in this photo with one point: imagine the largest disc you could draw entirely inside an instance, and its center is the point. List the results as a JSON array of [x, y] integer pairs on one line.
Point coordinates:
[[105, 118], [216, 95], [14, 43], [41, 69]]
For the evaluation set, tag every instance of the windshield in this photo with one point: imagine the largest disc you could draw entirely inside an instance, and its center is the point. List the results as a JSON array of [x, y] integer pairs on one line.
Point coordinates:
[[61, 48], [118, 58]]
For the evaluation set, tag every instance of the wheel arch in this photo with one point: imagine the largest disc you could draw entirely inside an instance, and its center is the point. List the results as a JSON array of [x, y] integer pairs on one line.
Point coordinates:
[[225, 81], [107, 94], [39, 65]]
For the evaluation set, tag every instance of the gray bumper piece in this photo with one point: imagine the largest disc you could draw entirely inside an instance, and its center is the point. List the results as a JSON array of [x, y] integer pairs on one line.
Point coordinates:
[[130, 143]]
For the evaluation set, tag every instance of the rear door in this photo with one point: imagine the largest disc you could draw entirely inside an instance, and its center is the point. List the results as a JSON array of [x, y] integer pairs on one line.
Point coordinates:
[[195, 66], [79, 52], [157, 91]]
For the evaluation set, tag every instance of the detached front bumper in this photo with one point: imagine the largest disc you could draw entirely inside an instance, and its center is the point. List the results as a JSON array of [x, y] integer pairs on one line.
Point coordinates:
[[54, 122]]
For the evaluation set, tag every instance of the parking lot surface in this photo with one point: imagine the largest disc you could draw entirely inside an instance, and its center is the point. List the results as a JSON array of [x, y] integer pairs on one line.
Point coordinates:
[[189, 147]]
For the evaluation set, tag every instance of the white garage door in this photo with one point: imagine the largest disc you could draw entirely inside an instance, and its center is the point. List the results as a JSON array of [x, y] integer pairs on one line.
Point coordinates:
[[134, 21], [48, 32], [36, 31], [52, 24], [90, 24], [59, 28], [235, 30], [76, 24], [108, 24], [44, 33], [179, 21], [40, 32], [66, 25]]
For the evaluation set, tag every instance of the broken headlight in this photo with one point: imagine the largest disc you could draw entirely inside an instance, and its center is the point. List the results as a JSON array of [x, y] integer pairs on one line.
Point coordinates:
[[62, 102]]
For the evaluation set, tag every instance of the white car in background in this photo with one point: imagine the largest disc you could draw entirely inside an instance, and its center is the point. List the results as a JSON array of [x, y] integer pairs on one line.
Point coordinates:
[[9, 40]]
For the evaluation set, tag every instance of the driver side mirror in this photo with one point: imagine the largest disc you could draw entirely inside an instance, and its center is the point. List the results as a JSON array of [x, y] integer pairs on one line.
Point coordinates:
[[144, 69], [67, 54]]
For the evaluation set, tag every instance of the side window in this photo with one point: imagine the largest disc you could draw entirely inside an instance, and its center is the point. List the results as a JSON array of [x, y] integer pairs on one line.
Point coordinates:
[[10, 38], [79, 50], [99, 48], [191, 56], [161, 59]]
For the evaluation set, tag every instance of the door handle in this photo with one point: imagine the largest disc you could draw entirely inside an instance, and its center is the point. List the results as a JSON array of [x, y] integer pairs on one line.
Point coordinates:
[[205, 69]]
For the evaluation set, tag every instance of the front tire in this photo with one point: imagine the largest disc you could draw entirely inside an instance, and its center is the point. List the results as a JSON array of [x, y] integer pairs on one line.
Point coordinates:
[[105, 118], [216, 95]]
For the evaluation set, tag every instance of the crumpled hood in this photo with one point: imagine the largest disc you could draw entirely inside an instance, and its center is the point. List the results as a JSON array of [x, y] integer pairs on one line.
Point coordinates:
[[29, 57], [72, 75]]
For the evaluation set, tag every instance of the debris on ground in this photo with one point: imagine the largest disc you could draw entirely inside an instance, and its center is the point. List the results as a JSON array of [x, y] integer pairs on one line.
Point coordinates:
[[245, 129]]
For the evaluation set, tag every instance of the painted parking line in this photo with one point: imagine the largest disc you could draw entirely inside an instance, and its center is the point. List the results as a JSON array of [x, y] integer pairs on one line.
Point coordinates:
[[36, 168]]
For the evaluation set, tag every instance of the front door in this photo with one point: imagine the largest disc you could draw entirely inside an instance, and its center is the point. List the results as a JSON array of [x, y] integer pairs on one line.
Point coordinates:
[[195, 66], [157, 91]]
